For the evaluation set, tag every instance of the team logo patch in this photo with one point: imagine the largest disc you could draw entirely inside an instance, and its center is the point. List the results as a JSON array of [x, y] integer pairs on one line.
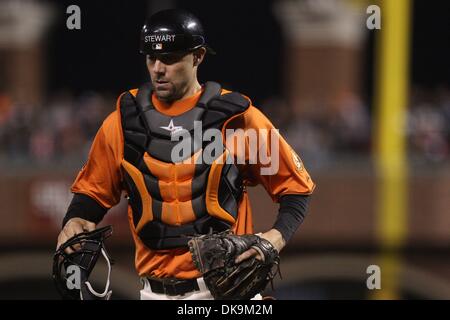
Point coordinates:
[[297, 161]]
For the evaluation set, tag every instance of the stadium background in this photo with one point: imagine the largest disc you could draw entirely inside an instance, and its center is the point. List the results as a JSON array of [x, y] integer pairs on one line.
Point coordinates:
[[327, 82]]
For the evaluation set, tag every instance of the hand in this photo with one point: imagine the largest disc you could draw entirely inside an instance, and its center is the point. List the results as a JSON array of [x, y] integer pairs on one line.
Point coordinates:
[[73, 227], [273, 236]]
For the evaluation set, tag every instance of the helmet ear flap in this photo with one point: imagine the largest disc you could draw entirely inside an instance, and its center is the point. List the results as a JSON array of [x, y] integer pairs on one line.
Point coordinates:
[[71, 271]]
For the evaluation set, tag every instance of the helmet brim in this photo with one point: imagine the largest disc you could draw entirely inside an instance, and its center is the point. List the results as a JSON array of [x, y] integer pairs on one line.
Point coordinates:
[[209, 50]]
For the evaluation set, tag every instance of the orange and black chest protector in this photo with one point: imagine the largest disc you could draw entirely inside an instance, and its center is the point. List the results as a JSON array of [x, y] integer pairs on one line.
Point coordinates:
[[171, 201]]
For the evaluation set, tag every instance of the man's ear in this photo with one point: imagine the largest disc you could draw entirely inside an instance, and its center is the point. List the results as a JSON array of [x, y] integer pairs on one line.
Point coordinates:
[[199, 55]]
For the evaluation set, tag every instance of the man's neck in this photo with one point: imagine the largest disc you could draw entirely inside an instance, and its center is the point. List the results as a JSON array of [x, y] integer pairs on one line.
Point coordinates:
[[192, 89]]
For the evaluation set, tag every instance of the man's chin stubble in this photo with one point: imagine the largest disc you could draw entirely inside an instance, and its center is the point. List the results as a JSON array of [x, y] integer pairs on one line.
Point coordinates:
[[168, 98]]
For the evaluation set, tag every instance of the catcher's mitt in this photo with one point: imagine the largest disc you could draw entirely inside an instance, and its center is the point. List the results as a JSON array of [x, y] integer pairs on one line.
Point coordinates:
[[214, 255]]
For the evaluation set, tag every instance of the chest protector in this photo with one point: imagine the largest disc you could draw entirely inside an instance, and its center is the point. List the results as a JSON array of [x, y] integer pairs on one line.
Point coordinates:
[[171, 201]]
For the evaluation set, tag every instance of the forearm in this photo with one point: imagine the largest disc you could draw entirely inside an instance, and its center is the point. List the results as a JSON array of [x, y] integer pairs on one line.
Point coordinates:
[[83, 206], [292, 212]]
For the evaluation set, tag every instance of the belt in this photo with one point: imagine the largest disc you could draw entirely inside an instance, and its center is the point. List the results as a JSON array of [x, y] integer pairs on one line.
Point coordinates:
[[172, 287]]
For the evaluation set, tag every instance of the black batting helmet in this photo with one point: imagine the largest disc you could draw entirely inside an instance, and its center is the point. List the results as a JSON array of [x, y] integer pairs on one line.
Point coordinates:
[[172, 30]]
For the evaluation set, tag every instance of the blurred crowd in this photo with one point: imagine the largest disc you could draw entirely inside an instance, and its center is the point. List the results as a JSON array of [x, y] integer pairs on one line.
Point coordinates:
[[429, 124], [344, 130], [63, 129]]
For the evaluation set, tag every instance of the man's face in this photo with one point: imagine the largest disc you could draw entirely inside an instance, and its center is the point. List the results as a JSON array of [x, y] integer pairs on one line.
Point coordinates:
[[171, 74]]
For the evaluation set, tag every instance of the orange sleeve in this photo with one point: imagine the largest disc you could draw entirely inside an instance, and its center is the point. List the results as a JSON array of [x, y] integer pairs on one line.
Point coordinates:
[[100, 178], [277, 167]]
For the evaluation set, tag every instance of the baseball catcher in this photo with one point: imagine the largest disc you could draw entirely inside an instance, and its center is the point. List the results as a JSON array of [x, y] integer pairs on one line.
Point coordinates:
[[74, 261], [173, 145], [215, 256]]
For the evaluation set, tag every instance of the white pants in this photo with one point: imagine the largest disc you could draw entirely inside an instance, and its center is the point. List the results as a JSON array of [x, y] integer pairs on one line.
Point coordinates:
[[202, 294]]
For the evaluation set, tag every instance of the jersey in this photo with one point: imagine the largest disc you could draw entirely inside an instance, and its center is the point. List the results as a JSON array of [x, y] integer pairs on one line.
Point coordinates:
[[102, 178]]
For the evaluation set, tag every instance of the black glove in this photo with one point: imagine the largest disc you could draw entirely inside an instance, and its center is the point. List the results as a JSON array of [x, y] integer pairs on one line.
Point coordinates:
[[214, 255]]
